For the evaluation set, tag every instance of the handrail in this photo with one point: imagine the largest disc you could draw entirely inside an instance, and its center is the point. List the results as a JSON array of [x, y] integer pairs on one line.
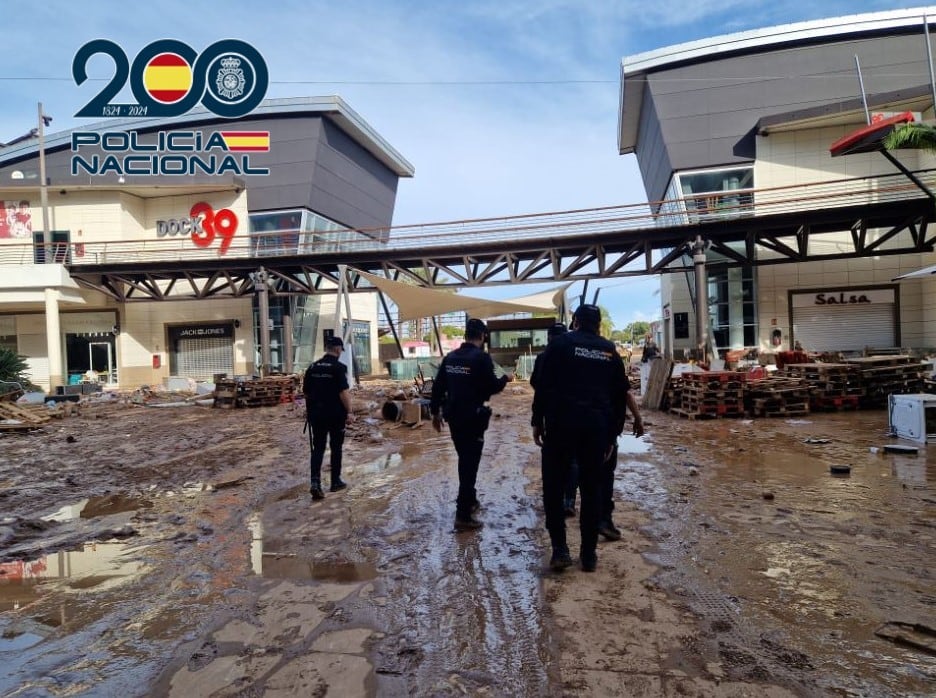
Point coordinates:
[[648, 218]]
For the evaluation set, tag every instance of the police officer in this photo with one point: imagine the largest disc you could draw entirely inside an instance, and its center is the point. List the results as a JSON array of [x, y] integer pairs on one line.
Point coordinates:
[[465, 381], [328, 409], [572, 479], [581, 394]]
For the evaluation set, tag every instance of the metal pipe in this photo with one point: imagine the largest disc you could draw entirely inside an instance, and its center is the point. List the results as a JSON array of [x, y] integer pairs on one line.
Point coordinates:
[[929, 58], [864, 97], [288, 343], [435, 328], [396, 337], [43, 191]]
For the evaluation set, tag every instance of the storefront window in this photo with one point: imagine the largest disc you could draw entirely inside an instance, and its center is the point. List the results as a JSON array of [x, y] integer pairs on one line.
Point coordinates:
[[274, 234], [706, 195], [732, 308]]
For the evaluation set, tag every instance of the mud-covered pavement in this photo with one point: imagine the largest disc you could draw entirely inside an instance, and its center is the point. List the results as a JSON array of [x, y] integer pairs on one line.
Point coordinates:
[[176, 551]]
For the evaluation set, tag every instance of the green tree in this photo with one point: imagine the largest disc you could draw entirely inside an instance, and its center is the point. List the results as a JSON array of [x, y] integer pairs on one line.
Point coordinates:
[[916, 136], [13, 368]]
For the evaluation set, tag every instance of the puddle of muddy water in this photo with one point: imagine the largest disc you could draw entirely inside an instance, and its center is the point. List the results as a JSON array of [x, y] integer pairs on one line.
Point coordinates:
[[95, 507], [275, 565], [786, 544]]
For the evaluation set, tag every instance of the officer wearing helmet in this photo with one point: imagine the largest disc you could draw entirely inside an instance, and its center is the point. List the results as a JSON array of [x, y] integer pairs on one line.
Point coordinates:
[[580, 404], [464, 382]]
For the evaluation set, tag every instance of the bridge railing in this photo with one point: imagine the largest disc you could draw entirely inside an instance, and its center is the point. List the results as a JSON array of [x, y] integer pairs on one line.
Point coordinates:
[[544, 227]]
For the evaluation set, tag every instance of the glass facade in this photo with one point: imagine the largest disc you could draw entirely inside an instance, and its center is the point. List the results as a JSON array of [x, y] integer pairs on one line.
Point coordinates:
[[300, 231], [732, 307], [704, 195]]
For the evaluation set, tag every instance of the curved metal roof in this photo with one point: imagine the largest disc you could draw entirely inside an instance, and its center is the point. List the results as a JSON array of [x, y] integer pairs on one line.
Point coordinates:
[[332, 106], [771, 37]]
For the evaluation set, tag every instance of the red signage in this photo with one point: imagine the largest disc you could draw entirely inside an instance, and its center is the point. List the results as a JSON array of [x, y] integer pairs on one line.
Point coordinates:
[[203, 225]]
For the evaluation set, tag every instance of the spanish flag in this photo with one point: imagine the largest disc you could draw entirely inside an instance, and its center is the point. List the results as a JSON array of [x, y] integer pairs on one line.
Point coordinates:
[[247, 141], [167, 78]]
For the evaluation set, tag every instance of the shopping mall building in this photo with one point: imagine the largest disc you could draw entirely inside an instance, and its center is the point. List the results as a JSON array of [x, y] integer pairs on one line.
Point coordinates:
[[159, 193], [720, 125]]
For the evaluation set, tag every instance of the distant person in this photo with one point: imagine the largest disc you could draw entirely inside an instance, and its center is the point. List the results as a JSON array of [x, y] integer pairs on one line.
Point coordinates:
[[328, 410], [464, 383], [581, 402], [571, 487], [650, 351]]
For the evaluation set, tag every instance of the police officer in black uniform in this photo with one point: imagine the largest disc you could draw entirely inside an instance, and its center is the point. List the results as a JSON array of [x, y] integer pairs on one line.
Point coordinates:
[[328, 409], [465, 381], [581, 402], [572, 480]]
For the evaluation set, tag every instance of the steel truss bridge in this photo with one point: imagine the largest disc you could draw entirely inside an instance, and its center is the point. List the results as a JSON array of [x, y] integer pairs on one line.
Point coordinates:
[[859, 217]]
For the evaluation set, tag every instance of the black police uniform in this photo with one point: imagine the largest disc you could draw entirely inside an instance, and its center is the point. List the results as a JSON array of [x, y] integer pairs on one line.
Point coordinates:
[[323, 383], [465, 381], [571, 487], [580, 404]]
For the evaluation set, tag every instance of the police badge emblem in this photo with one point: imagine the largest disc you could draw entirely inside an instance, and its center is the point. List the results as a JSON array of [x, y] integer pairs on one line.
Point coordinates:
[[230, 79]]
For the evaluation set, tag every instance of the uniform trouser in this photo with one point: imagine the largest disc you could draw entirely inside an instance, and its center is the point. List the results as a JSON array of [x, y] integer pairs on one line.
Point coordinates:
[[321, 429], [468, 439], [607, 486], [586, 445], [571, 485]]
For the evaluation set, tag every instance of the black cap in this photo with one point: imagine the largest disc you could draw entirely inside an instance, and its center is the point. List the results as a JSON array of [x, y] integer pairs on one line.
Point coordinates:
[[588, 315], [475, 328], [556, 330], [334, 341]]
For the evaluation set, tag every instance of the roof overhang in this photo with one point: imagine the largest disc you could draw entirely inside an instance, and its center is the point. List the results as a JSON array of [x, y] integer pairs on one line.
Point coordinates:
[[869, 139], [636, 68], [332, 107], [923, 273]]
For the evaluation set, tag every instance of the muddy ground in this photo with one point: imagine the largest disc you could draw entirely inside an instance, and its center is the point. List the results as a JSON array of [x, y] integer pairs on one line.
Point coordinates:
[[176, 551]]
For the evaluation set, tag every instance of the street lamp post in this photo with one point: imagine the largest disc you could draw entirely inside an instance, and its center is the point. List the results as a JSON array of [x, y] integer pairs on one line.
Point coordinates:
[[43, 190]]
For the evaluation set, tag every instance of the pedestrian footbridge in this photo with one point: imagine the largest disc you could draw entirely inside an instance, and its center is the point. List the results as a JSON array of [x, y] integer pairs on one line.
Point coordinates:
[[855, 217]]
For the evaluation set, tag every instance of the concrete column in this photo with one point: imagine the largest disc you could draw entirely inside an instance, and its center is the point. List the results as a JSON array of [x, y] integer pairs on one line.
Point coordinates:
[[702, 315], [53, 339], [263, 303]]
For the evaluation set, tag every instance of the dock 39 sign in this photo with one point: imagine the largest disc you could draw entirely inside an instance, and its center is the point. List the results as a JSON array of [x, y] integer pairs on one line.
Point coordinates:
[[168, 78]]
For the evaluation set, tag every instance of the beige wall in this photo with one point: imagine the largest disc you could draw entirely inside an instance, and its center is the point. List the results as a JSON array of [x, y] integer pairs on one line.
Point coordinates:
[[143, 334], [802, 157]]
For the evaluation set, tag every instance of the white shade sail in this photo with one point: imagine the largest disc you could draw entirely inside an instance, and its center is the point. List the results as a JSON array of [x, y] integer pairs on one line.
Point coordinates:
[[415, 302]]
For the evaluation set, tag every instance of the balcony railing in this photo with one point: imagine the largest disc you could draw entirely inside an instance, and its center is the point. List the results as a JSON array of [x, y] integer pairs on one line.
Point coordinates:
[[543, 227]]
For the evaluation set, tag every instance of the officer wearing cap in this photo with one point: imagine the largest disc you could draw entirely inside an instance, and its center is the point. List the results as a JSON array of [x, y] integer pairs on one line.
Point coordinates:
[[581, 401], [328, 409], [464, 382]]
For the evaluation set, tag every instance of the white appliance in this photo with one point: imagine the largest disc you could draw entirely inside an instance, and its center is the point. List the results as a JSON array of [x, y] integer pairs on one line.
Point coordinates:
[[913, 417]]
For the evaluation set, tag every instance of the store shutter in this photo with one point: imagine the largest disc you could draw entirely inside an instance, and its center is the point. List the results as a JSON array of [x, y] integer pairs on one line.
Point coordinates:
[[845, 327], [201, 358]]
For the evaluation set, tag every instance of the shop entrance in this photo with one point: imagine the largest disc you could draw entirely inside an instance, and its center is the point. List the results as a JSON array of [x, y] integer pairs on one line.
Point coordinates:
[[90, 358]]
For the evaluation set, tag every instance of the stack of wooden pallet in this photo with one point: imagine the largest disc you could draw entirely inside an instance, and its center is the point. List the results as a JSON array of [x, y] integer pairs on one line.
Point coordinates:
[[711, 394], [777, 396], [832, 386], [15, 417], [887, 375], [256, 392]]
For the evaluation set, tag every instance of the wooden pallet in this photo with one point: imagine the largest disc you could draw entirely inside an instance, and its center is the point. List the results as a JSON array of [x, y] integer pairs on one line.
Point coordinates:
[[26, 417]]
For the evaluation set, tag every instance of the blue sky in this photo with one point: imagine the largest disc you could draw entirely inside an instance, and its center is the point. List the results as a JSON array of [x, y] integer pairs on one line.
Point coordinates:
[[502, 106]]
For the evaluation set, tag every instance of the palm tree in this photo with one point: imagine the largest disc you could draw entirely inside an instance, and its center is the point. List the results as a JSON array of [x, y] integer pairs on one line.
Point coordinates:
[[914, 135]]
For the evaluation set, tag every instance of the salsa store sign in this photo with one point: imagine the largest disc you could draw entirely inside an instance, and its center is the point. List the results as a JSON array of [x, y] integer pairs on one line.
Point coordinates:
[[845, 319], [840, 297]]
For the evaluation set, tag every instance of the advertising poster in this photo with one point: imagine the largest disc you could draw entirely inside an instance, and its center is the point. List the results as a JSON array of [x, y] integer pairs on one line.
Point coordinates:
[[16, 220]]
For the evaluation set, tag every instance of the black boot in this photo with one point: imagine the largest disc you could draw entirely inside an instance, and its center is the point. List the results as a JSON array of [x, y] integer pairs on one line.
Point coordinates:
[[316, 491], [464, 521], [560, 559]]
